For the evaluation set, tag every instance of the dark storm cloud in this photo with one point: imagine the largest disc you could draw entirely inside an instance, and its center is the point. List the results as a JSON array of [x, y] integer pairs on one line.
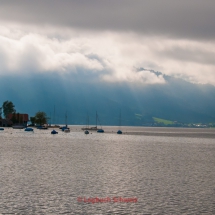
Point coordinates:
[[183, 19]]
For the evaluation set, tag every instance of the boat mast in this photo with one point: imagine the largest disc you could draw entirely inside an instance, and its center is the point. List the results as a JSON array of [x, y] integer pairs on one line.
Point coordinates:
[[50, 122], [96, 119], [54, 116], [66, 119], [120, 118], [87, 122]]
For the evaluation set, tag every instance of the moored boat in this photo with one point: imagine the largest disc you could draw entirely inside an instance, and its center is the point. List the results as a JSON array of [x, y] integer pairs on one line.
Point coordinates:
[[63, 128], [29, 129], [119, 131], [66, 130], [90, 128], [54, 132], [100, 130], [42, 127]]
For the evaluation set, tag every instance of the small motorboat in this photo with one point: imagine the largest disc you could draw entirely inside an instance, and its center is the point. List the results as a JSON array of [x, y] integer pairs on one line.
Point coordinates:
[[86, 132], [1, 129], [100, 131], [29, 129], [119, 132], [63, 128], [54, 132]]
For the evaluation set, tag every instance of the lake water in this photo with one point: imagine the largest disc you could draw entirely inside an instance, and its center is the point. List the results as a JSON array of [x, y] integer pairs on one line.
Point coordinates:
[[144, 171]]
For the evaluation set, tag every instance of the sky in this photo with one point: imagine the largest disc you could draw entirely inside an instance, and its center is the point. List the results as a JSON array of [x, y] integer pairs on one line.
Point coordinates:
[[135, 43], [109, 41]]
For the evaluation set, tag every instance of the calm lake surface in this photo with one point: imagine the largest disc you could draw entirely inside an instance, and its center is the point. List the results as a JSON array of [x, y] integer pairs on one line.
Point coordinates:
[[156, 170]]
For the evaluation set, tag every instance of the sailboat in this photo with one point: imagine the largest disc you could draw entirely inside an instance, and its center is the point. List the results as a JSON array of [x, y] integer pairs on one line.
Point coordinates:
[[66, 129], [99, 130], [87, 126], [52, 120], [95, 128], [119, 131], [91, 128]]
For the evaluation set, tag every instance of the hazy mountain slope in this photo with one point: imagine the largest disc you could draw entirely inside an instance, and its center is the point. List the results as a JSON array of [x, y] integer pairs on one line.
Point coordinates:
[[176, 100]]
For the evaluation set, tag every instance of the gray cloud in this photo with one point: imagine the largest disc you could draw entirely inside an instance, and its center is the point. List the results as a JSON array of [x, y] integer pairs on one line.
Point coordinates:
[[190, 55], [183, 19], [109, 38], [114, 57]]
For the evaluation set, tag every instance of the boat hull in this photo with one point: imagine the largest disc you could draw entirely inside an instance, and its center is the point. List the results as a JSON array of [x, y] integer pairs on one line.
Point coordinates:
[[100, 131], [91, 129], [29, 129], [54, 132]]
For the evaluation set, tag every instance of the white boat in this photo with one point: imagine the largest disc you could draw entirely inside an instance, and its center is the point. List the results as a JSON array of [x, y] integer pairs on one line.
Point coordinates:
[[90, 128], [95, 128], [66, 130]]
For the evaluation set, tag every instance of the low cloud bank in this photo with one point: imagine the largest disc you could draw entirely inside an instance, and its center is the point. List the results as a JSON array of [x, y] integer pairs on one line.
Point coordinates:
[[109, 56]]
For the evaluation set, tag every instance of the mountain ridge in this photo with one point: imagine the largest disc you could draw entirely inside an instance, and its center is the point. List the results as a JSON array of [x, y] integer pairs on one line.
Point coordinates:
[[176, 100]]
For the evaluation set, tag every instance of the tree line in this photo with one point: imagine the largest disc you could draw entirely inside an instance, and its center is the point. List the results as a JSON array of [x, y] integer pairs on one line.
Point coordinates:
[[9, 108]]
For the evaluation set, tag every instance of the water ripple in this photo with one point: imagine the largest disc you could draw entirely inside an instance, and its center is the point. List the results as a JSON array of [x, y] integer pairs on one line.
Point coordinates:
[[46, 174]]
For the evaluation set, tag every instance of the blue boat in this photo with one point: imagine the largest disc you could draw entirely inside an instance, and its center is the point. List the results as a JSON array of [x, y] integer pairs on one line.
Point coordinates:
[[86, 132], [64, 128], [119, 132], [54, 132], [100, 131], [29, 129], [1, 129]]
